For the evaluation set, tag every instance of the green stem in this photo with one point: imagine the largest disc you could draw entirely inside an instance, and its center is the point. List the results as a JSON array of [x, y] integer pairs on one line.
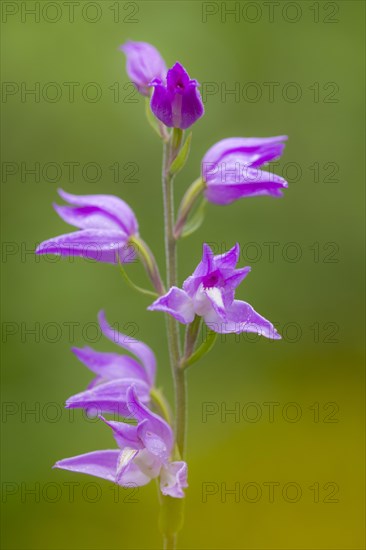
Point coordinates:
[[171, 520], [172, 280], [171, 511], [169, 542]]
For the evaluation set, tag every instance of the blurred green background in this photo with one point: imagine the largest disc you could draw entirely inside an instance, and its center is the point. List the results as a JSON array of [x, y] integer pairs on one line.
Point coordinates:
[[312, 290]]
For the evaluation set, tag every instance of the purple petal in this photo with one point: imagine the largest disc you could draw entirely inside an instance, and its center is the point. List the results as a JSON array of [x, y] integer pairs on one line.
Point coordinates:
[[177, 104], [229, 169], [153, 443], [143, 64], [139, 349], [161, 103], [241, 317], [231, 283], [177, 79], [110, 397], [192, 107], [113, 207], [104, 464], [228, 260], [87, 217], [253, 151], [177, 303], [205, 266], [238, 276], [125, 434], [93, 244], [173, 479], [110, 366], [253, 183], [97, 463], [149, 423]]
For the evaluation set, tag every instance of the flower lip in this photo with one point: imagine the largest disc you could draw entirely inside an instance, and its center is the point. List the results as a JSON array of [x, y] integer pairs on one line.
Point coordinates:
[[177, 79], [213, 279]]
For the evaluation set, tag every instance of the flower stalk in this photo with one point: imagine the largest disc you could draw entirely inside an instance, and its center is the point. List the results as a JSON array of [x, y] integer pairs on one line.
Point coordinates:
[[172, 279], [170, 151]]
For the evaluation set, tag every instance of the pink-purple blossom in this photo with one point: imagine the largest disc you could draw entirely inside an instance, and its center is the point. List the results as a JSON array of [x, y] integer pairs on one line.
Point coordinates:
[[145, 453], [177, 102], [105, 222], [210, 293], [143, 64], [230, 169], [115, 373]]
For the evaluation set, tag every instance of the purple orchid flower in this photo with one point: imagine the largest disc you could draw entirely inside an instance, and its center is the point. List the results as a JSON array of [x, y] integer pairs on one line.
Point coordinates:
[[106, 224], [177, 103], [115, 373], [230, 169], [143, 64], [210, 293], [145, 453]]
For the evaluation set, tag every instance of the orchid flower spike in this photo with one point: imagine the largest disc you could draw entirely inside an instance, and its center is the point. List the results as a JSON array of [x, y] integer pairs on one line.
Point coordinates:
[[145, 453], [230, 169], [210, 293], [143, 64], [106, 225], [115, 373]]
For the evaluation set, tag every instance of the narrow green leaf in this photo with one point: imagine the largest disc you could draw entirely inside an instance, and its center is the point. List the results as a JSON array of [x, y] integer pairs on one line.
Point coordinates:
[[182, 156], [204, 348], [195, 221], [131, 284]]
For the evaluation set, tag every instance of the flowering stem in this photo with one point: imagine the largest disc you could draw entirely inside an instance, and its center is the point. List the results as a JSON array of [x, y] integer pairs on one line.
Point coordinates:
[[171, 509], [171, 520], [169, 542], [172, 325]]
